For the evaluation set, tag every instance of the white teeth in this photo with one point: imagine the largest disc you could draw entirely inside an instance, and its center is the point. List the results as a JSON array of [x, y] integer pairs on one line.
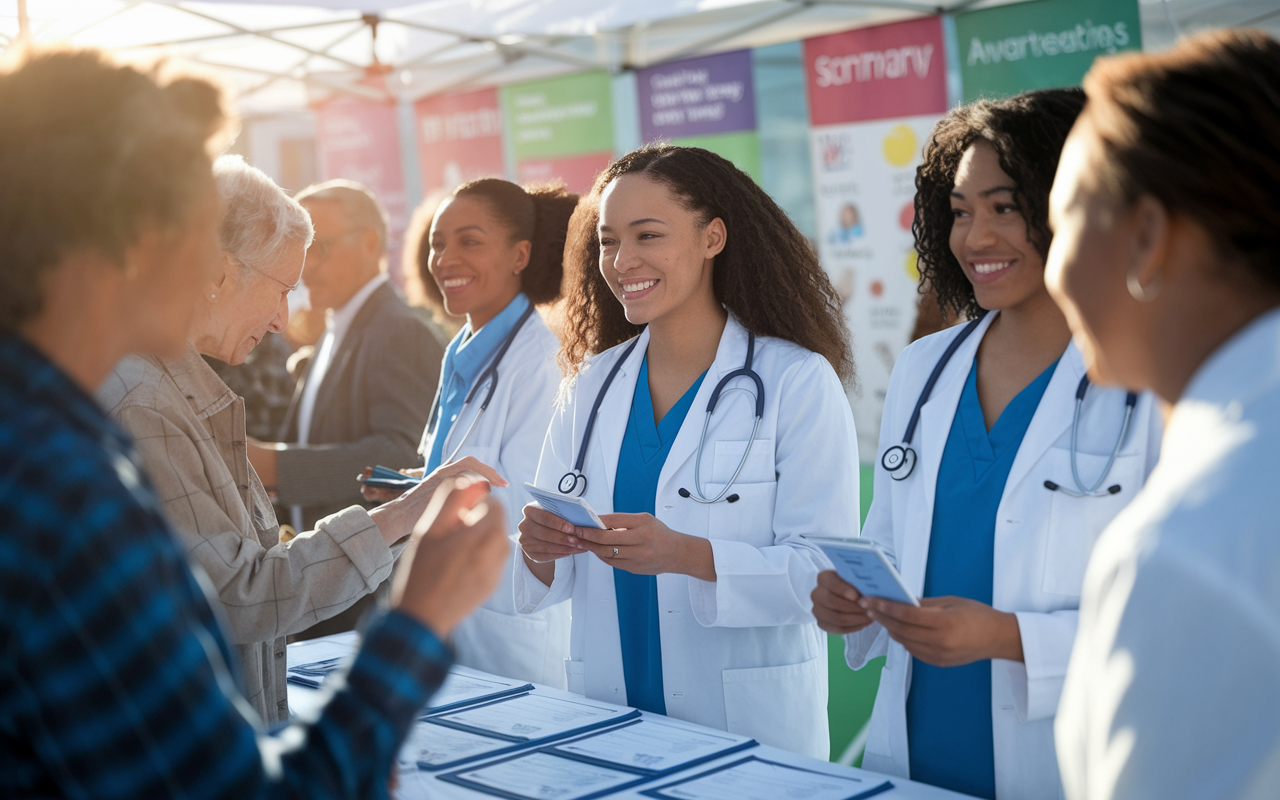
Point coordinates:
[[987, 269], [637, 287], [453, 283]]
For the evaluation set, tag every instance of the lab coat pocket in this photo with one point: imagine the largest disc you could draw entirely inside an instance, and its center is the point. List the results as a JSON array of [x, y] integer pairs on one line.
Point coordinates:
[[749, 518], [778, 706], [1076, 522], [575, 676]]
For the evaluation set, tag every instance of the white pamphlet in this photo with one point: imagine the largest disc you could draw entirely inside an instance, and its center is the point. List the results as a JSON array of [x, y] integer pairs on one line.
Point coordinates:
[[567, 507], [533, 716], [463, 685], [754, 779], [431, 746], [653, 746], [864, 566], [543, 776]]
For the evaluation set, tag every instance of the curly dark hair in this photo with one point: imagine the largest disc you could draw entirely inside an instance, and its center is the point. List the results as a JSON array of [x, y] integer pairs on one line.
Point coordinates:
[[1027, 132], [762, 249], [538, 214]]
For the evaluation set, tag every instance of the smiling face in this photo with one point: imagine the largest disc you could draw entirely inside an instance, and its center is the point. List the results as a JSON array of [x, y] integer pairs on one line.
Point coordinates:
[[989, 233], [1092, 244], [655, 254], [474, 260]]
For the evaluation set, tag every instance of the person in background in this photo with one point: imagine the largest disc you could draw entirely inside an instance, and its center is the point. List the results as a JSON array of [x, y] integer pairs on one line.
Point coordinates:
[[495, 251], [1018, 465], [683, 273], [420, 288], [1166, 260], [115, 678], [361, 400], [190, 431]]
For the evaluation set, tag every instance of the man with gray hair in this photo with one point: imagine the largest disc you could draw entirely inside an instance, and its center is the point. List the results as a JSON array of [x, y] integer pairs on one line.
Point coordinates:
[[366, 392]]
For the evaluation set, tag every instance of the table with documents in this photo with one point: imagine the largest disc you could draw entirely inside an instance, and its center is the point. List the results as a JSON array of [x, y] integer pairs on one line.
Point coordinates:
[[485, 736]]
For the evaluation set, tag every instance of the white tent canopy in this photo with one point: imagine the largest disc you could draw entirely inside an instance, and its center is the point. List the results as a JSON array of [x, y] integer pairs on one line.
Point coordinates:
[[288, 53]]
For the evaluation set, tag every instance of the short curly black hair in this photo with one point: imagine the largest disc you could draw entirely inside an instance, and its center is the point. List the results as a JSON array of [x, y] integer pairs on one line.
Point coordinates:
[[1027, 132]]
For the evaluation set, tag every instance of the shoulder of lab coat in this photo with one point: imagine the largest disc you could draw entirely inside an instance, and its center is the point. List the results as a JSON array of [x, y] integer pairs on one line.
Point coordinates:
[[558, 451], [816, 466]]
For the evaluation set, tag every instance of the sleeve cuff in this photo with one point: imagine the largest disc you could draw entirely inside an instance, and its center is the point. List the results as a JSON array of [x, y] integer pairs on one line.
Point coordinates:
[[355, 532], [400, 664], [1036, 685]]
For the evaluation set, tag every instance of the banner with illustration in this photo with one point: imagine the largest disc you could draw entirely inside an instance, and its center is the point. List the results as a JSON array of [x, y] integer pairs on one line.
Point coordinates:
[[1035, 45], [459, 139], [561, 128], [359, 139], [874, 96], [704, 102]]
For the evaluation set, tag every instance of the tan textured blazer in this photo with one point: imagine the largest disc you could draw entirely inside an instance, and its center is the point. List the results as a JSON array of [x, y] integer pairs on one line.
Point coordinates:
[[190, 430]]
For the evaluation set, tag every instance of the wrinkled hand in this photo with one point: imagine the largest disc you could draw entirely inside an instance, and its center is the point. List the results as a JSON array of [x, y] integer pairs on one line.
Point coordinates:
[[948, 631], [396, 517], [835, 605], [382, 494], [456, 556]]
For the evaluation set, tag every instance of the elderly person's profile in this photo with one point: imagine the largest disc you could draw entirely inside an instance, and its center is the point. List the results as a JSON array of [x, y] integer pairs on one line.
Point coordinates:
[[190, 429]]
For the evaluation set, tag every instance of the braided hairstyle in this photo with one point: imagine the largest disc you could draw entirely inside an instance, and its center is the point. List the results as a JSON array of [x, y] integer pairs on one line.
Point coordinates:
[[1027, 132], [539, 215], [767, 275]]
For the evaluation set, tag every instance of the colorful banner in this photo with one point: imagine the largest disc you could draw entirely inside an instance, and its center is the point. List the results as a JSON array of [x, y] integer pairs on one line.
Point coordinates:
[[704, 102], [459, 139], [359, 140], [875, 94], [561, 128], [1014, 48]]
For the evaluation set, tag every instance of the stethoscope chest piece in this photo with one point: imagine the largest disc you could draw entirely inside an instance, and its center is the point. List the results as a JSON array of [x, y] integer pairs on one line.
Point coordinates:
[[899, 462]]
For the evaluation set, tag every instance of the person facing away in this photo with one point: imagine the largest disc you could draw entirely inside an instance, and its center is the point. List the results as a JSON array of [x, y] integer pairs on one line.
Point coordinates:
[[681, 270], [116, 680], [495, 253], [1020, 463], [1166, 260], [190, 431]]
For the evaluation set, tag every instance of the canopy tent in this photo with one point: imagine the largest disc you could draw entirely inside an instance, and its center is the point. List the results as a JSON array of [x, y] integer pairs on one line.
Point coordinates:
[[290, 53]]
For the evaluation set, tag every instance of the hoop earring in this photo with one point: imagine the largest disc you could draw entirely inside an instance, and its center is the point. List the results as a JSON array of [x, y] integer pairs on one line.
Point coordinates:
[[1143, 294]]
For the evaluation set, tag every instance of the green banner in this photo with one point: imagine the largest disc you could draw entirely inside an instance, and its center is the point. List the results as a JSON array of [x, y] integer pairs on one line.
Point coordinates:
[[1035, 45], [560, 117], [742, 148]]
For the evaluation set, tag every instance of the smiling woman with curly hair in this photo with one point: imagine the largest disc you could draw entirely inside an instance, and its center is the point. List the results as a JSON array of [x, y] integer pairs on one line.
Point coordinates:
[[683, 275], [992, 505]]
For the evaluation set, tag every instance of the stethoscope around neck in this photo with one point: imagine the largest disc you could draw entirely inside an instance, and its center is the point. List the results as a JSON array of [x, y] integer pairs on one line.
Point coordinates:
[[488, 376], [900, 460], [574, 482]]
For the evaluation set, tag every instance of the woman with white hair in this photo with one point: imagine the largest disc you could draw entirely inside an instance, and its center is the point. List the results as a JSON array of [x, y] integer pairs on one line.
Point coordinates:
[[190, 429]]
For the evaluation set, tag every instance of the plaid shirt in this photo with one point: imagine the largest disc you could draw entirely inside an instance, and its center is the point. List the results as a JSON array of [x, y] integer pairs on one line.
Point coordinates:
[[113, 670]]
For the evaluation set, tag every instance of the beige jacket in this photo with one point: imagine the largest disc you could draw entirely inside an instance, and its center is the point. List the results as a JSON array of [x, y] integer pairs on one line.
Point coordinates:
[[190, 430]]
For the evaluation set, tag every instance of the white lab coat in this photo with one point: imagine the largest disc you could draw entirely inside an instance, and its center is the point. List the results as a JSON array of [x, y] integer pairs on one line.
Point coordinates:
[[508, 437], [1174, 684], [744, 653], [1042, 544]]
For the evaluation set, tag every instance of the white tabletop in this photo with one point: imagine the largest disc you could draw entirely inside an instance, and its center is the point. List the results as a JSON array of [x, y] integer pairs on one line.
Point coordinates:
[[416, 784]]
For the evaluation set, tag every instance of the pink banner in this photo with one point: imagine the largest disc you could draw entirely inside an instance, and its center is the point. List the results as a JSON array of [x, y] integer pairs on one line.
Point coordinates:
[[577, 172], [359, 140], [888, 71], [459, 139]]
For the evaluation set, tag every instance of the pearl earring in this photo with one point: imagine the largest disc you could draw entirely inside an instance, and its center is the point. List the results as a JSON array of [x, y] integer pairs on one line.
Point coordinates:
[[213, 297]]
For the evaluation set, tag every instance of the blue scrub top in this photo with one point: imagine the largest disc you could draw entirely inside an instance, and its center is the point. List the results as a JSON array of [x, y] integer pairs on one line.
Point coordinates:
[[464, 359], [949, 708], [645, 446]]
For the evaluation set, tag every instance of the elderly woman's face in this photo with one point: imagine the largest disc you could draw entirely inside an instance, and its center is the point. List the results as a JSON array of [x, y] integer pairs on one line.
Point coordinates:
[[251, 303], [1093, 244]]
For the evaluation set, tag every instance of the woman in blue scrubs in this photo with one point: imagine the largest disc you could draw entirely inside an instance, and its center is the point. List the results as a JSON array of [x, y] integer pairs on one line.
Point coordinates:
[[695, 603], [1019, 465]]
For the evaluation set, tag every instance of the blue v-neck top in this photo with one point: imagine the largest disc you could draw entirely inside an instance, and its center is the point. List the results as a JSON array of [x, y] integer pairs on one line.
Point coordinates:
[[645, 446], [949, 708]]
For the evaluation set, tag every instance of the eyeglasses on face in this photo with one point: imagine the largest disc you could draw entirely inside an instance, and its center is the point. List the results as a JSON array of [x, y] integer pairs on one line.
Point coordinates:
[[321, 249]]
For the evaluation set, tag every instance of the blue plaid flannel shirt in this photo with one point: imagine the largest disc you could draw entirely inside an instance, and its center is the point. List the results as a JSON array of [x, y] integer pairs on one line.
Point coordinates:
[[113, 670]]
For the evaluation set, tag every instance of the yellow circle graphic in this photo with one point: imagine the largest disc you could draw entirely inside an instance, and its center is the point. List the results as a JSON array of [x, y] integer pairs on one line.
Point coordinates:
[[912, 266], [900, 145]]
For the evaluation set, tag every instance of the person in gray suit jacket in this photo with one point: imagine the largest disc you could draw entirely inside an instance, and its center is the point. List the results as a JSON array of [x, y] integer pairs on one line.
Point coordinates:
[[366, 392]]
